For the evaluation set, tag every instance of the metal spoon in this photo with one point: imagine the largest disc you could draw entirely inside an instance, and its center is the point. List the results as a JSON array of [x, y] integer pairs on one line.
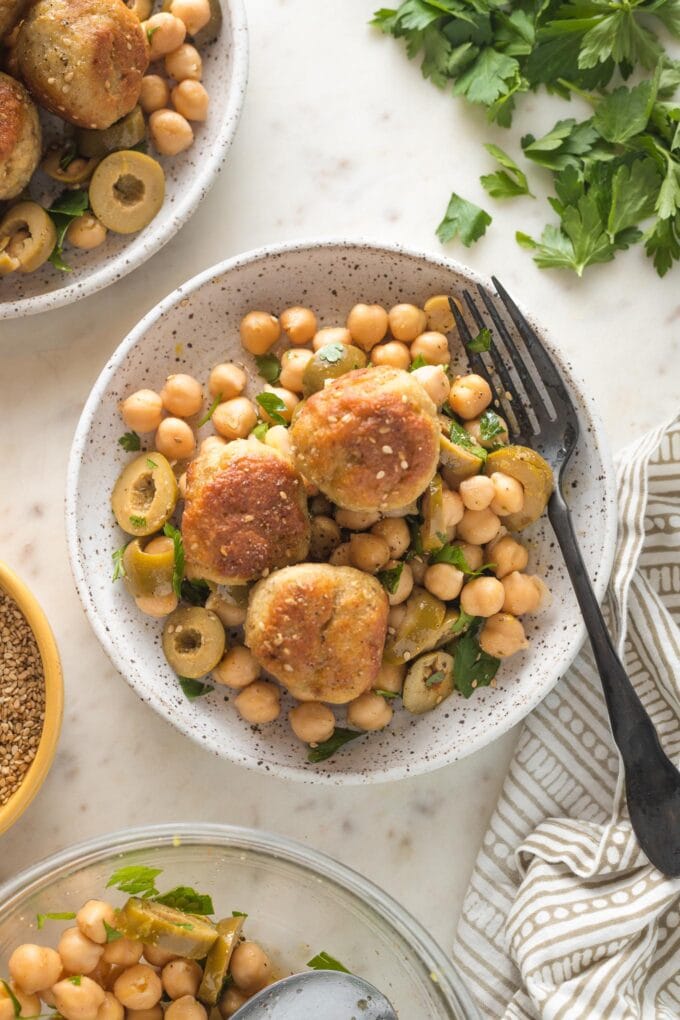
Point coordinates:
[[318, 993]]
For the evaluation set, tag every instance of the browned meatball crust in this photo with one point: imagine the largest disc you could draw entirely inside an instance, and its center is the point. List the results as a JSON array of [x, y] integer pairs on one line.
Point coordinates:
[[320, 630], [83, 59], [20, 137], [369, 440], [245, 513], [10, 12]]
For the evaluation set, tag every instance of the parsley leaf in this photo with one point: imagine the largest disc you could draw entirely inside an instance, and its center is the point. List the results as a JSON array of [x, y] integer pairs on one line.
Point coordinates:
[[272, 405], [136, 880], [137, 522], [461, 437], [193, 689], [454, 555], [331, 353], [118, 571], [65, 208], [210, 412], [463, 623], [490, 426], [75, 979], [260, 430], [463, 219], [328, 747], [16, 1005], [269, 367], [385, 694], [184, 898], [507, 183], [390, 578], [112, 934], [66, 915], [130, 442], [178, 569], [625, 112], [435, 678], [472, 668], [418, 362], [480, 343], [324, 961]]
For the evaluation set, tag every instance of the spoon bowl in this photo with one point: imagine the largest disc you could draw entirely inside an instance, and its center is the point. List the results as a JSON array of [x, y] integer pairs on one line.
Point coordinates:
[[331, 994]]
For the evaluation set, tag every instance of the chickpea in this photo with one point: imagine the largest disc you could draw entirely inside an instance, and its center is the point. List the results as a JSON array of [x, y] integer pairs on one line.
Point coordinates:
[[331, 335], [235, 419], [444, 580], [508, 494], [340, 556], [325, 537], [478, 526], [433, 347], [79, 955], [418, 568], [110, 1008], [238, 668], [142, 411], [212, 443], [368, 325], [182, 395], [86, 232], [406, 322], [395, 617], [232, 615], [289, 399], [181, 977], [185, 64], [524, 593], [435, 382], [396, 533], [439, 315], [186, 1008], [153, 954], [293, 365], [191, 100], [390, 677], [483, 596], [165, 33], [370, 711], [454, 509], [259, 331], [404, 585], [155, 94], [259, 702], [138, 987], [474, 427], [123, 952], [368, 552], [30, 1004], [394, 354], [34, 967], [45, 994], [171, 133], [104, 974], [226, 381], [157, 606], [79, 1001], [502, 635], [231, 1000], [194, 13], [278, 437], [175, 439], [474, 554], [507, 555], [92, 915], [155, 1013], [477, 492], [356, 520], [250, 967], [299, 324], [469, 396], [312, 722]]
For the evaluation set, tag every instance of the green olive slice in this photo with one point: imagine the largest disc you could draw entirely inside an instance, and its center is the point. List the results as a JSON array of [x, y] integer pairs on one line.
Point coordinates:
[[127, 191], [30, 235], [330, 362], [193, 641], [433, 530], [419, 629], [534, 473], [145, 495], [457, 462], [156, 924], [428, 682], [216, 967], [127, 132], [74, 173], [148, 574]]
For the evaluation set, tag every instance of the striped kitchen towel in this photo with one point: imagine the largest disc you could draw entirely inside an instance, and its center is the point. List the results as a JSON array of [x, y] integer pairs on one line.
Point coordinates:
[[564, 918]]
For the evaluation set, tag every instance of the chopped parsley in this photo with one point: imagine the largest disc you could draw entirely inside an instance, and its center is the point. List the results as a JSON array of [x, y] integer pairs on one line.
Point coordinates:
[[210, 412], [16, 1005], [139, 880], [472, 667], [328, 747], [331, 353], [385, 694], [454, 555], [130, 442], [112, 934], [69, 205], [260, 430], [76, 980], [66, 915], [490, 426], [137, 522], [461, 437], [118, 572], [178, 570], [435, 678], [480, 343], [136, 880], [463, 623], [272, 405], [193, 689], [463, 219], [418, 362], [269, 367], [391, 577], [184, 898], [151, 463], [324, 961], [238, 913], [508, 182]]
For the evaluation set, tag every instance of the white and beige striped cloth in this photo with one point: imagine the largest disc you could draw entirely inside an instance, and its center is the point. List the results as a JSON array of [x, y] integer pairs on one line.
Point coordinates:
[[564, 918]]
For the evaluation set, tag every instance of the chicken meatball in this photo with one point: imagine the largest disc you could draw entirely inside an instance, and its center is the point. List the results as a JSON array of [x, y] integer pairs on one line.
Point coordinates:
[[83, 59], [245, 513], [369, 440], [10, 12], [320, 630], [20, 137]]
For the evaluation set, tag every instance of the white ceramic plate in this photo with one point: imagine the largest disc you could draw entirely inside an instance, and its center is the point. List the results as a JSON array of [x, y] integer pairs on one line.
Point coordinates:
[[191, 330], [189, 177]]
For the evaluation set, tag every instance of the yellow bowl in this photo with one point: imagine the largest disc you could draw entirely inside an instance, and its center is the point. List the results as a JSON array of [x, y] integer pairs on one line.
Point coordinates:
[[54, 698]]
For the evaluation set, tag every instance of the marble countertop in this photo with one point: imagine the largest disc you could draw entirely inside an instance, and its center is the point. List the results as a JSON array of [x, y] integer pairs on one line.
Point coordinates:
[[340, 136]]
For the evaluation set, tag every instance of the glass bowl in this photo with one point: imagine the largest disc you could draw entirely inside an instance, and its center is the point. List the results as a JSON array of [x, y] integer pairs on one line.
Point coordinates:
[[299, 903]]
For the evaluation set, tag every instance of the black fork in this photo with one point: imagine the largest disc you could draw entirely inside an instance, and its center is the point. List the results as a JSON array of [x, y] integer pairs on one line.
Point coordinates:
[[540, 413]]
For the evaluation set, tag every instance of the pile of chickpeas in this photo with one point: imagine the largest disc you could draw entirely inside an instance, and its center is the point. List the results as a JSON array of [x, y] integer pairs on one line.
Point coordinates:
[[473, 511], [87, 978]]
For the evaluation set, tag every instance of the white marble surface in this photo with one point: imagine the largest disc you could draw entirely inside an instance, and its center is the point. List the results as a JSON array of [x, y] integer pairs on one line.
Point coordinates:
[[340, 135]]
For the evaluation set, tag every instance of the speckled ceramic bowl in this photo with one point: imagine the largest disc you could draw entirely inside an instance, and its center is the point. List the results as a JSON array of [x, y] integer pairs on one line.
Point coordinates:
[[189, 177], [191, 330]]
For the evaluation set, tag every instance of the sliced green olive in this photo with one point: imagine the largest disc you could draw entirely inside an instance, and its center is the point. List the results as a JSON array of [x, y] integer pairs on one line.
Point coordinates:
[[127, 132], [428, 682], [536, 476], [216, 967], [148, 574], [127, 190], [29, 235], [418, 630], [185, 935], [72, 172], [330, 362], [443, 635], [145, 495], [193, 641], [457, 462], [8, 264], [433, 529]]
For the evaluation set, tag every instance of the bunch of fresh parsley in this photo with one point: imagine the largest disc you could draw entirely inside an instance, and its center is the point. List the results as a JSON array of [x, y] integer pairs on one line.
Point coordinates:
[[613, 171]]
